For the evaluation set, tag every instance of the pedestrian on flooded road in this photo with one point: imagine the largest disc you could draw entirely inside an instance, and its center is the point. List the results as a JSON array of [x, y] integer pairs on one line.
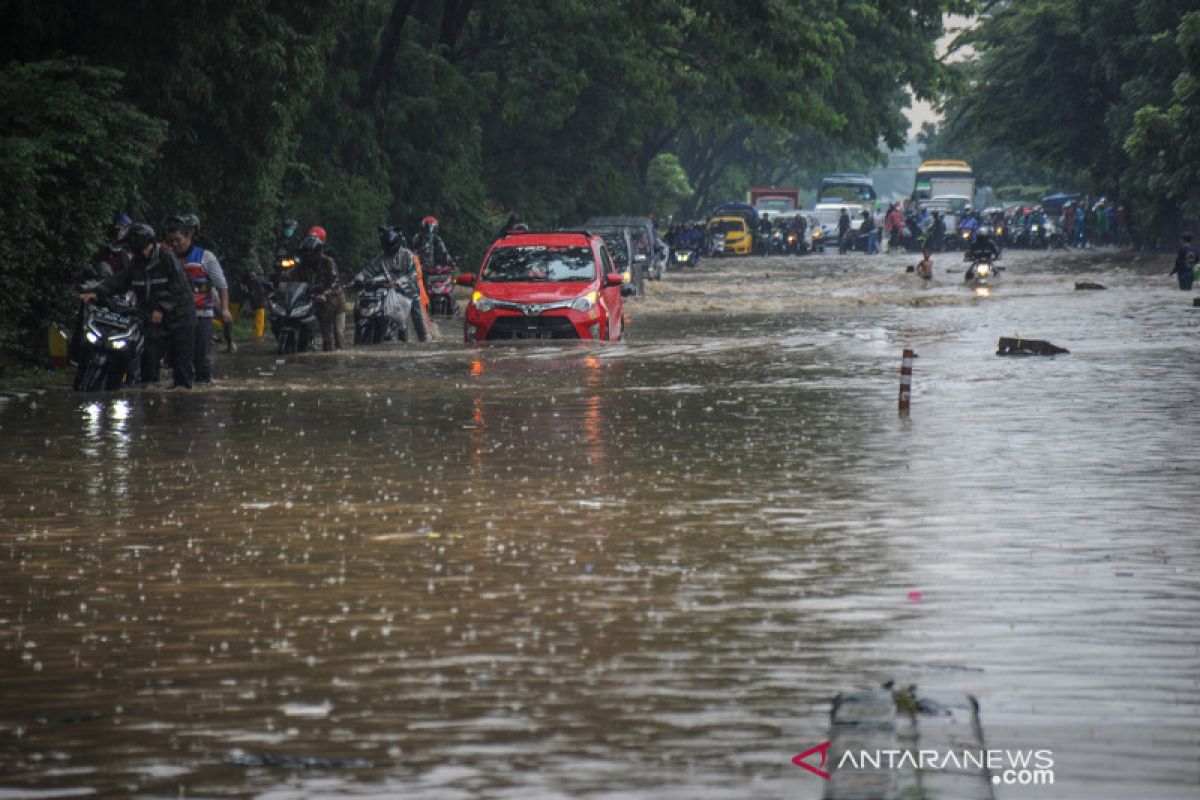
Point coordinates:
[[925, 265], [205, 275], [1185, 263]]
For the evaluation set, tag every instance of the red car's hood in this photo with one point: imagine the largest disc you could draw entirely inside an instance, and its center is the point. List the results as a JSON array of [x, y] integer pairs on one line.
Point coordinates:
[[535, 292]]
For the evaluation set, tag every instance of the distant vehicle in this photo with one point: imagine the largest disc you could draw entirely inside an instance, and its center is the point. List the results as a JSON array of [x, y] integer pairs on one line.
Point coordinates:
[[938, 168], [734, 231], [554, 285], [634, 246], [847, 188], [774, 199], [940, 188], [824, 218]]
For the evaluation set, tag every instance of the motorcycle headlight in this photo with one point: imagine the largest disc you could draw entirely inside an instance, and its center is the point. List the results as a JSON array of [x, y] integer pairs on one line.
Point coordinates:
[[984, 269], [277, 310], [482, 302], [93, 336], [816, 234], [584, 302], [627, 276], [1036, 228], [118, 344]]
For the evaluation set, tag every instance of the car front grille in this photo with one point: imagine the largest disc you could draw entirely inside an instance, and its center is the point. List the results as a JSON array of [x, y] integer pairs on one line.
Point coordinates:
[[532, 328]]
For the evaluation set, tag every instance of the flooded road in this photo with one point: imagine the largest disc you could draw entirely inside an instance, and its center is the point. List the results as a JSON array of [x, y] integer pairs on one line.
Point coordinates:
[[635, 571]]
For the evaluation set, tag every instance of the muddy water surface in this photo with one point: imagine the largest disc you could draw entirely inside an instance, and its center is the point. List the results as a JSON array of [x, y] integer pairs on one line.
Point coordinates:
[[639, 570]]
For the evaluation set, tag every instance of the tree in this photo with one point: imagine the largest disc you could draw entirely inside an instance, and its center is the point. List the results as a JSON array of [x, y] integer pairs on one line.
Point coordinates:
[[72, 153]]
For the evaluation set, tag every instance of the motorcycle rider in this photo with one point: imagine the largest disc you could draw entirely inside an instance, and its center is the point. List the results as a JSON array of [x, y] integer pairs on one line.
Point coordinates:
[[937, 230], [981, 249], [429, 245], [287, 241], [164, 293], [396, 262], [320, 273], [204, 273], [111, 257]]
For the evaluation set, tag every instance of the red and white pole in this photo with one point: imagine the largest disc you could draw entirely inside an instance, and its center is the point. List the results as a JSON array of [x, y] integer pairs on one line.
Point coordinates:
[[905, 380]]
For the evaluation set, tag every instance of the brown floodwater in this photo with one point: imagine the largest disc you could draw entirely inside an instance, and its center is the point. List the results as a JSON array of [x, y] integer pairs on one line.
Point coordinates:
[[630, 571]]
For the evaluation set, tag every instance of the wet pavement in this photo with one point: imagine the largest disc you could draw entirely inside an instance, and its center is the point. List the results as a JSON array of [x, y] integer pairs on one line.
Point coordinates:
[[640, 570]]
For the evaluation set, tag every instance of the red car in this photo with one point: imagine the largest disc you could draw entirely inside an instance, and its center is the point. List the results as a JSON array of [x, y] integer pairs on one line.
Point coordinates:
[[559, 285]]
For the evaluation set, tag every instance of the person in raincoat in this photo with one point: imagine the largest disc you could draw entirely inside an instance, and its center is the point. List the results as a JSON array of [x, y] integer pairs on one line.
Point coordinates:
[[321, 274], [1185, 263]]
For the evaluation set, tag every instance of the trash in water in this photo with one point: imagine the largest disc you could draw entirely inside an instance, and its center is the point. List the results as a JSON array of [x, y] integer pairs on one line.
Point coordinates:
[[1082, 285], [1014, 346], [914, 597]]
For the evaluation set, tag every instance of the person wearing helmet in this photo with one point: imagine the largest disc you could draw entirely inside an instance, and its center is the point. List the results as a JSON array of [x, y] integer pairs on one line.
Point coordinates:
[[287, 239], [111, 257], [430, 247], [317, 231], [205, 275], [981, 249], [165, 295], [321, 274], [397, 264]]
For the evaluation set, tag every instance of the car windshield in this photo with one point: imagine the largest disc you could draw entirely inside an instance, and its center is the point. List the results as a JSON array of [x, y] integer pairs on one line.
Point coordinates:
[[726, 226], [540, 262], [615, 242]]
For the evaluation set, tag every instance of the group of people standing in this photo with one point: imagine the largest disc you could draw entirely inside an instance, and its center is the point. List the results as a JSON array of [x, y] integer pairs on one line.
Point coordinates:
[[180, 287], [174, 280]]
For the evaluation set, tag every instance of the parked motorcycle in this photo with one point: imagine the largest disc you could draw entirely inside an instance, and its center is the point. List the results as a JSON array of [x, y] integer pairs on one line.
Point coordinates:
[[381, 313], [111, 345], [293, 319], [439, 285]]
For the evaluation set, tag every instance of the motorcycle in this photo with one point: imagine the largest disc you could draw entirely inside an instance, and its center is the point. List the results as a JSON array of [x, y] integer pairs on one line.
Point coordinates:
[[682, 257], [778, 243], [381, 313], [981, 273], [111, 346], [439, 285], [293, 318]]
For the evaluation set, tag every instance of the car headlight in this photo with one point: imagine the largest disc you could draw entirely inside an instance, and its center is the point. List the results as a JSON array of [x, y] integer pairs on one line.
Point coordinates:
[[482, 302], [584, 302]]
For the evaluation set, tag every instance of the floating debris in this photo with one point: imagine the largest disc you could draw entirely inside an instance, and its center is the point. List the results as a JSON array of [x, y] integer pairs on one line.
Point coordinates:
[[1012, 346]]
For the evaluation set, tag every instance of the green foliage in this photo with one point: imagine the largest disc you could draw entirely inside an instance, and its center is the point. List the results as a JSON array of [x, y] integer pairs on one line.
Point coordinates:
[[1164, 143], [71, 153], [667, 184], [1092, 94]]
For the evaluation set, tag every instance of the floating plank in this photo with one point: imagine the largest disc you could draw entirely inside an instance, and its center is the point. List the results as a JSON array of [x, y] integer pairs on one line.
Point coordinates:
[[1013, 346], [1088, 285]]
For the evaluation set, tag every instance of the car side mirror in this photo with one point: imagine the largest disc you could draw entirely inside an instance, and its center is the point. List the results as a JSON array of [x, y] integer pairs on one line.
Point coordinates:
[[613, 279], [465, 280]]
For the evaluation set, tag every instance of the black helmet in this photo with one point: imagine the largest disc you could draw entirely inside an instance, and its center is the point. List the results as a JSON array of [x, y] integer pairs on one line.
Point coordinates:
[[391, 238], [310, 245], [983, 233], [138, 236]]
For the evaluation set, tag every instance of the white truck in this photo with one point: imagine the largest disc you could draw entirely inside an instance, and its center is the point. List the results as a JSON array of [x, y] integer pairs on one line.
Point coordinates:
[[956, 188]]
